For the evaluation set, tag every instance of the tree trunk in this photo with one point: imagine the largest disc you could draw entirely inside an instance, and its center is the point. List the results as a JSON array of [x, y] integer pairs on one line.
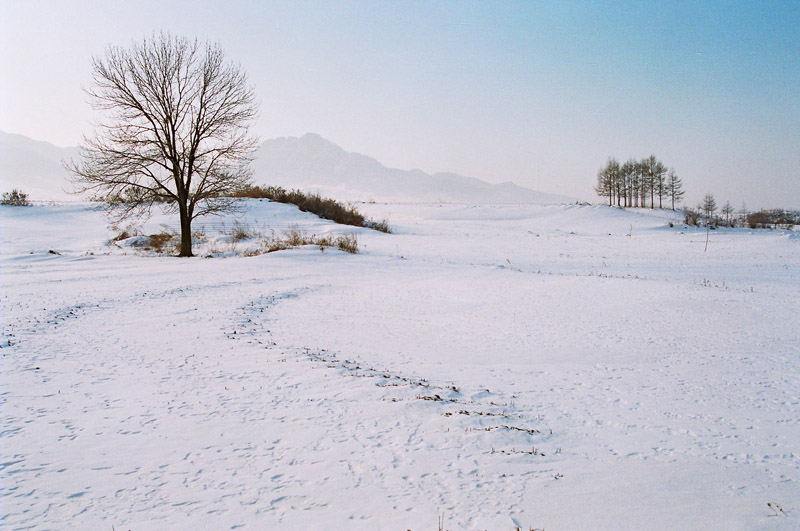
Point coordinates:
[[186, 233]]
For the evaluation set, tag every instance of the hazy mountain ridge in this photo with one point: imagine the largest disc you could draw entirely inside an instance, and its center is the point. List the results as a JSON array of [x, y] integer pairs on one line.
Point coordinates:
[[309, 162], [35, 167]]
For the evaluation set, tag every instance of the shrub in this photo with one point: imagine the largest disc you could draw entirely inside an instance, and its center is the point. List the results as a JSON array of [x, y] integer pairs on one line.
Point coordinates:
[[323, 207], [15, 198], [156, 242], [347, 243], [775, 217], [691, 217], [123, 234], [382, 226], [241, 231], [294, 237]]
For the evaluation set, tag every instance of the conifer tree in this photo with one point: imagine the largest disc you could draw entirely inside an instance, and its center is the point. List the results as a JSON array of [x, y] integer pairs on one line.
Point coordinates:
[[674, 187]]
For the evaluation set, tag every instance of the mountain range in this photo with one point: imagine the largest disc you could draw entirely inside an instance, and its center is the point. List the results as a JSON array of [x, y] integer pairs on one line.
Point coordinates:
[[35, 167], [309, 163]]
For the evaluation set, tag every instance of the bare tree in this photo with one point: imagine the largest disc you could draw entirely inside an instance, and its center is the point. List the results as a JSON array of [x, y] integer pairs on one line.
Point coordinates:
[[674, 188], [628, 176], [743, 213], [613, 170], [727, 211], [661, 183], [631, 182], [709, 206], [654, 171], [604, 186], [649, 177], [608, 181], [175, 130], [644, 180], [638, 184]]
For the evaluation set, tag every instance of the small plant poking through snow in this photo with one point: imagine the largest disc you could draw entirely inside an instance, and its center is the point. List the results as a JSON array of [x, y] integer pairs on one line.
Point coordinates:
[[257, 241], [347, 243], [128, 231], [381, 226], [241, 231], [776, 509], [15, 198], [294, 237], [164, 241]]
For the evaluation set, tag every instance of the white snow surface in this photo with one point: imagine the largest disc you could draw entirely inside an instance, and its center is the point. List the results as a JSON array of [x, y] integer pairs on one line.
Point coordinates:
[[545, 367]]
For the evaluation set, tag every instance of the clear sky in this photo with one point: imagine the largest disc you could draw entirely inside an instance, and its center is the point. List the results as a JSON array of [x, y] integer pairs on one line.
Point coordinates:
[[540, 93]]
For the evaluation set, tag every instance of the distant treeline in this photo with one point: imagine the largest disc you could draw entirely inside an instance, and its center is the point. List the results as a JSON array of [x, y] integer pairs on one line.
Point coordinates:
[[648, 182], [773, 217], [706, 214], [635, 182]]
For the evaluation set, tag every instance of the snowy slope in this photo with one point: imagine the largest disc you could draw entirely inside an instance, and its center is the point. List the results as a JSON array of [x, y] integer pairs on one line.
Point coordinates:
[[535, 366]]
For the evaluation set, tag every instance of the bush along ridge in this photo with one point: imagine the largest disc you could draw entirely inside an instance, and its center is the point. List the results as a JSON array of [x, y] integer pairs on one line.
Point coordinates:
[[323, 207]]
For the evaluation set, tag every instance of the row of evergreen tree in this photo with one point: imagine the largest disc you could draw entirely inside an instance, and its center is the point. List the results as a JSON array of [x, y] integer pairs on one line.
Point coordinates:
[[633, 183]]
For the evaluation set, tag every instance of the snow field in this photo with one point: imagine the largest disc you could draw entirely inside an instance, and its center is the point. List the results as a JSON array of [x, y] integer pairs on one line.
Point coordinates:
[[550, 367]]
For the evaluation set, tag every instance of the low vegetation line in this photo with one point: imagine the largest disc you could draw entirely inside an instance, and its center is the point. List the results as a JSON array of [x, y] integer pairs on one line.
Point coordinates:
[[323, 207], [256, 242]]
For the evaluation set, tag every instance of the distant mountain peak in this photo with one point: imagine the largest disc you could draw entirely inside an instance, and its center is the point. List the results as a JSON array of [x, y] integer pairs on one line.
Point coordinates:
[[35, 167], [313, 137]]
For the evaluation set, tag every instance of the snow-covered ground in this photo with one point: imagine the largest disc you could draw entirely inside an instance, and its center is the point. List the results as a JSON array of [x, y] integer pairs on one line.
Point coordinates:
[[550, 367]]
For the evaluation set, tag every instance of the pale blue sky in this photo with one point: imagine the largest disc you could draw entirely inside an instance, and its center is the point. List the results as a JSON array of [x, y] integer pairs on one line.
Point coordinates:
[[538, 93]]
